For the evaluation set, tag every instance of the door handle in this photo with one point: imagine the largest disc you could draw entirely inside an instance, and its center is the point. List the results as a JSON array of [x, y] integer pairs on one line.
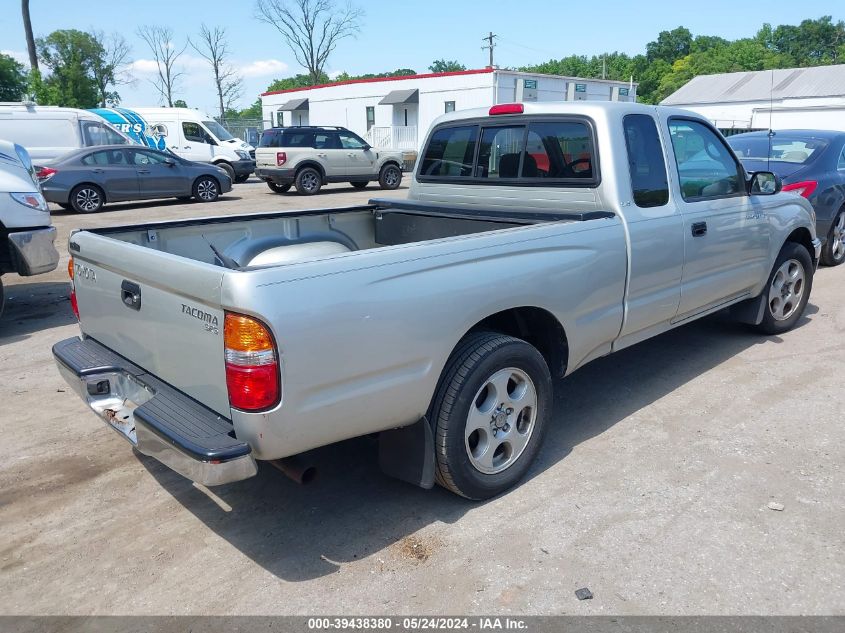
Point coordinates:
[[321, 155], [187, 147], [130, 294], [97, 170], [699, 229], [143, 171]]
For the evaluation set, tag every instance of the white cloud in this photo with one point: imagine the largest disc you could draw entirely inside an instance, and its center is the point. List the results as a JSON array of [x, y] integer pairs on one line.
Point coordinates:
[[263, 68], [335, 74], [144, 66], [18, 56]]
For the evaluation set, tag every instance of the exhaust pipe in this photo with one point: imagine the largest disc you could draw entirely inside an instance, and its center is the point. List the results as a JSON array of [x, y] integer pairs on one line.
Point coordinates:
[[296, 469]]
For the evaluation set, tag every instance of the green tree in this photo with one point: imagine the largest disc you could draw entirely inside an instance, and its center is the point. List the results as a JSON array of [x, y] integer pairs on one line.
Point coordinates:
[[811, 43], [297, 81], [180, 103], [13, 80], [446, 66], [70, 55], [670, 45]]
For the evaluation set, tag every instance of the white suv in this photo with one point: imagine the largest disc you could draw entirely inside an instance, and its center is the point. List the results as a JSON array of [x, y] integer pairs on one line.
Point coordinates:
[[309, 157]]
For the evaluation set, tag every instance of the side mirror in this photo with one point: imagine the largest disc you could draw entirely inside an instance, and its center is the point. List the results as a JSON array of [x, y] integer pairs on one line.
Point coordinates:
[[764, 183], [367, 147], [169, 161]]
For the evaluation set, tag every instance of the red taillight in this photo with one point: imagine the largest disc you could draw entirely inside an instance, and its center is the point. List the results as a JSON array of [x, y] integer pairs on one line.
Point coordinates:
[[45, 173], [281, 158], [252, 367], [507, 108], [804, 188], [73, 304]]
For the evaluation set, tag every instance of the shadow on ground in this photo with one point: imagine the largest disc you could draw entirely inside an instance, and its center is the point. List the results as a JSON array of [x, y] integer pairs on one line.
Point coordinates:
[[352, 511], [31, 307]]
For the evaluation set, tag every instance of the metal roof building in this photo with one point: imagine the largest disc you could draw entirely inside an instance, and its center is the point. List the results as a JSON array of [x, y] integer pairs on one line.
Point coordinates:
[[800, 98]]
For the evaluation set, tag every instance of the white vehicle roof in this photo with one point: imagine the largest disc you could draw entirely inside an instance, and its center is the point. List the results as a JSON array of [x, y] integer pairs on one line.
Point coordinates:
[[19, 109], [181, 113]]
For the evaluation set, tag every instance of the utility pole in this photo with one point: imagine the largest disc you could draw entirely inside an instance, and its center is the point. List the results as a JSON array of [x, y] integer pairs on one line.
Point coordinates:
[[490, 45]]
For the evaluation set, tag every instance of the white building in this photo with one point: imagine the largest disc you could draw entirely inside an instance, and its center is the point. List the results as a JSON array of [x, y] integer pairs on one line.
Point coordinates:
[[791, 98], [396, 112]]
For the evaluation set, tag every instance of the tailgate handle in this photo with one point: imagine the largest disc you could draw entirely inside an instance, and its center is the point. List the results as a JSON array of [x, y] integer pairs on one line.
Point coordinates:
[[130, 293]]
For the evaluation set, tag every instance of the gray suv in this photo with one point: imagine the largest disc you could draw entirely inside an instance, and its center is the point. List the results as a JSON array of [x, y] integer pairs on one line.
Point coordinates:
[[309, 157]]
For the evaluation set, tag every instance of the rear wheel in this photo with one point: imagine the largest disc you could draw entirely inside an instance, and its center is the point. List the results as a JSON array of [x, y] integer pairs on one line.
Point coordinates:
[[206, 189], [308, 181], [86, 199], [390, 177], [788, 289], [360, 184], [277, 188], [833, 252], [489, 414]]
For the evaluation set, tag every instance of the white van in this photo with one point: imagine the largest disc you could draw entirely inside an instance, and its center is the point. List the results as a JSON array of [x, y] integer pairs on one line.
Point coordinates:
[[194, 135], [48, 132]]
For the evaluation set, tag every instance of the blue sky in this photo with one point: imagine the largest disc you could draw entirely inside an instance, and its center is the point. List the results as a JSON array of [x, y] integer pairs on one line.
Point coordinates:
[[397, 34]]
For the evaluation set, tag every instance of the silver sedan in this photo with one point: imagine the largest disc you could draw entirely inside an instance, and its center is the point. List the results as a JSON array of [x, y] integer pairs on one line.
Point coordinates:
[[84, 180]]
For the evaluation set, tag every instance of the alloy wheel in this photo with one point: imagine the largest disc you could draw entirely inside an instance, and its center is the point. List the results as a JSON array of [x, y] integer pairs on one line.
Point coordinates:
[[786, 289]]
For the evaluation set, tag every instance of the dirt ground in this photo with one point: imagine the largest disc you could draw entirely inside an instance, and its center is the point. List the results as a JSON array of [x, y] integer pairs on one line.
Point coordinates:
[[652, 489]]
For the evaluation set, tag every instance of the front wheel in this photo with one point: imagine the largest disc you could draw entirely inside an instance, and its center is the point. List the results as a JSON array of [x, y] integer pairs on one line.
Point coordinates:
[[489, 414], [390, 177], [86, 199], [788, 289], [206, 189], [277, 188], [833, 252]]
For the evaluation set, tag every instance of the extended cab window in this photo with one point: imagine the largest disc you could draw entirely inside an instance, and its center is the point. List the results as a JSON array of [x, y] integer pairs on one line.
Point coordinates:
[[558, 149], [450, 152], [649, 183], [706, 168]]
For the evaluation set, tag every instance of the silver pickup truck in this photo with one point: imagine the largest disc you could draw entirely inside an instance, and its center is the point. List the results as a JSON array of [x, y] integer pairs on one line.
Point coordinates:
[[535, 238]]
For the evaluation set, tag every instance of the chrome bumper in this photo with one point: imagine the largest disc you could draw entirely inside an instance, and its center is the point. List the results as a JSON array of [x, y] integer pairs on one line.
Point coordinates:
[[158, 420], [33, 252]]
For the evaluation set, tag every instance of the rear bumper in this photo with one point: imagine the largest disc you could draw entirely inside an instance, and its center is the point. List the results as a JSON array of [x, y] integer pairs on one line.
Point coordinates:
[[159, 420], [32, 251], [243, 167], [280, 176]]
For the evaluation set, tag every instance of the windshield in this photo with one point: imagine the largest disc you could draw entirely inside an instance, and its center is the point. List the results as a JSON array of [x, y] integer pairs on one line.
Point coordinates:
[[785, 149], [218, 130]]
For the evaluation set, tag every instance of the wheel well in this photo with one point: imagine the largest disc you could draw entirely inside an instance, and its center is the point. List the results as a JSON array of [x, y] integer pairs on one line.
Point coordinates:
[[89, 184], [198, 178], [536, 326], [391, 162], [316, 166], [802, 236]]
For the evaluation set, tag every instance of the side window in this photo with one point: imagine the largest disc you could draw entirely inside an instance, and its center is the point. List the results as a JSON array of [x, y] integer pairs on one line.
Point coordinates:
[[293, 138], [500, 152], [350, 141], [371, 117], [193, 132], [646, 165], [449, 106], [706, 169], [95, 133], [146, 158], [841, 163], [559, 149], [106, 157], [326, 140], [450, 152]]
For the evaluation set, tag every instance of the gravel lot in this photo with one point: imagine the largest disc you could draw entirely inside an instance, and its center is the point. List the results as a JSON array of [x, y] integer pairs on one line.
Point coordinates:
[[652, 488]]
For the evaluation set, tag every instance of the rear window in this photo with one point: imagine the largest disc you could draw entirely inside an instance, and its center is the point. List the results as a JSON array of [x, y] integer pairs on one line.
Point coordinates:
[[549, 151], [785, 149]]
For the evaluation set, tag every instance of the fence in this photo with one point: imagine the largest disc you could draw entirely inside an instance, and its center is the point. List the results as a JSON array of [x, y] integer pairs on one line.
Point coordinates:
[[248, 130]]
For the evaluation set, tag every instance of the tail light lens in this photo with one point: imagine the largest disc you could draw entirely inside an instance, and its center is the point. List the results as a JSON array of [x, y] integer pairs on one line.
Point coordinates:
[[804, 188], [45, 173], [252, 365], [73, 304], [507, 108], [281, 158]]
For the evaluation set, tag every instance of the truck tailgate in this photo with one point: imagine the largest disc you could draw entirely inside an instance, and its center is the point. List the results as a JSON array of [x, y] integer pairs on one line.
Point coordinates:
[[158, 310]]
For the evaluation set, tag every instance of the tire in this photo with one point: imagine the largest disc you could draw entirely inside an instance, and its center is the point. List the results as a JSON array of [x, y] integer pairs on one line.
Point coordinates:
[[230, 171], [86, 198], [277, 188], [475, 386], [2, 297], [206, 189], [787, 289], [308, 181], [360, 184], [241, 179], [833, 252], [390, 177], [64, 205]]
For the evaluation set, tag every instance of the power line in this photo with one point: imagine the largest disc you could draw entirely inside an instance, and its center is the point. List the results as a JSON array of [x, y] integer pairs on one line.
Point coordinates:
[[490, 45]]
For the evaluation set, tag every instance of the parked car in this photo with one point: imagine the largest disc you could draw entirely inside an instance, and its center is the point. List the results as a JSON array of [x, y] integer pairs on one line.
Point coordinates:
[[48, 132], [26, 237], [195, 136], [812, 164], [87, 179], [309, 157], [438, 321]]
